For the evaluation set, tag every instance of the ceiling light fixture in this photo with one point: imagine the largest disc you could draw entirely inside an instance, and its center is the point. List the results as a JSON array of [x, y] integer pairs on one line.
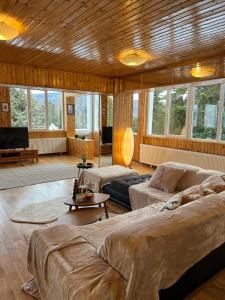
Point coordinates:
[[133, 58], [7, 32], [199, 71]]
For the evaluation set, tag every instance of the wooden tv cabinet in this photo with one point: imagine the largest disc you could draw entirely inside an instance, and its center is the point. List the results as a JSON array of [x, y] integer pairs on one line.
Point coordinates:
[[10, 155]]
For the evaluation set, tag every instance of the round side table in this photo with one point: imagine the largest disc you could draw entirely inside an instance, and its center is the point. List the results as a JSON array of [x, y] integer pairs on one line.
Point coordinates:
[[82, 166]]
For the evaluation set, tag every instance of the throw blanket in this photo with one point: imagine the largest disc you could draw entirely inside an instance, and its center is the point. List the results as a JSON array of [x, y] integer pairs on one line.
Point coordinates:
[[98, 177], [64, 261], [158, 250]]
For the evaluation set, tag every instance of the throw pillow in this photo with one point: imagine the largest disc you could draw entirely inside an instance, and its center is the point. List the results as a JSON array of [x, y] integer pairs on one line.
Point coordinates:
[[166, 178], [184, 197], [215, 183]]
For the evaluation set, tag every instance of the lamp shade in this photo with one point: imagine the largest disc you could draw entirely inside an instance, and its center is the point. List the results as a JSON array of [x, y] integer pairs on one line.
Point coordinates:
[[133, 59], [128, 146], [202, 71], [7, 32]]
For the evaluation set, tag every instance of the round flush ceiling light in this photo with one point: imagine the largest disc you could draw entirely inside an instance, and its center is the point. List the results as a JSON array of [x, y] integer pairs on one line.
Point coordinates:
[[7, 32], [204, 71], [133, 58]]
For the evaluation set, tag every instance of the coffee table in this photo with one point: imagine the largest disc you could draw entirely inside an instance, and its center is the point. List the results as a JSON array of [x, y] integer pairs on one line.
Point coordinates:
[[97, 199], [81, 217]]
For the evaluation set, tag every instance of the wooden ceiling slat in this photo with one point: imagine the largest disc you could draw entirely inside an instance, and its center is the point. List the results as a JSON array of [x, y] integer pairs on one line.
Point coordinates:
[[87, 36]]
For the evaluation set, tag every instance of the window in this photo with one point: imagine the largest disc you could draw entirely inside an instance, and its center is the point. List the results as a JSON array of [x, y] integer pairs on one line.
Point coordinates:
[[109, 111], [177, 112], [135, 113], [205, 112], [83, 113], [156, 112], [38, 115], [45, 109], [19, 107], [96, 112], [55, 121]]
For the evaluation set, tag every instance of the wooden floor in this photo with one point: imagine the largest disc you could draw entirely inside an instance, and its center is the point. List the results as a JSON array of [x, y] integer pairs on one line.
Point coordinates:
[[13, 247]]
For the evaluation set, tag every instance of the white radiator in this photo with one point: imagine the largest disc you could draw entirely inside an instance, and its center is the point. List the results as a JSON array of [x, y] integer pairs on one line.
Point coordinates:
[[154, 155], [48, 145]]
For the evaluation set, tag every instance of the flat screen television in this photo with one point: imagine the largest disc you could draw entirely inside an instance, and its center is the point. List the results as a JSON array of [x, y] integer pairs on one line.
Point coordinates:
[[13, 138], [107, 135]]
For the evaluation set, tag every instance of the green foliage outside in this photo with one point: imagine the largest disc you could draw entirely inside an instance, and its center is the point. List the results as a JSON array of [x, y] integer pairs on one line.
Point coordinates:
[[158, 115], [19, 109], [205, 95], [178, 111]]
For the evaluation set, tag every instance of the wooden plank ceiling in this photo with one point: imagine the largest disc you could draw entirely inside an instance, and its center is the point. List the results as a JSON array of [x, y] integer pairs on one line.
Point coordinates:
[[88, 35]]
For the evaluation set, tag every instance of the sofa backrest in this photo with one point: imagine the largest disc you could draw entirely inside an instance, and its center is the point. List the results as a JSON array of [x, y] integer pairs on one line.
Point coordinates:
[[193, 175]]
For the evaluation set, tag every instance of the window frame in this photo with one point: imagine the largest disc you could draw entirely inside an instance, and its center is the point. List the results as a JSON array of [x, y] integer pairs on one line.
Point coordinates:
[[29, 109], [189, 111], [138, 98]]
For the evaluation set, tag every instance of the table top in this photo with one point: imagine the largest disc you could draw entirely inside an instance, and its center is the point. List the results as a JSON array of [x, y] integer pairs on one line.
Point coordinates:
[[81, 217], [85, 166], [95, 199]]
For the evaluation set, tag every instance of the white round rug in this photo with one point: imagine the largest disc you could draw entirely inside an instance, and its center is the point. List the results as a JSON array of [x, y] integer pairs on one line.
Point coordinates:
[[40, 213]]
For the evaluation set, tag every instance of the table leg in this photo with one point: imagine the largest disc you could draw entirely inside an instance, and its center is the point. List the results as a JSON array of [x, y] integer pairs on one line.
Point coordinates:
[[99, 205], [70, 207], [78, 172], [106, 211]]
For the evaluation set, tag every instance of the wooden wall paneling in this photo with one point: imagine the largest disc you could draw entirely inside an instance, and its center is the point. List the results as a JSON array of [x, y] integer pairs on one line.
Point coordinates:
[[142, 123], [96, 138], [69, 119], [47, 134], [5, 117], [183, 144], [103, 110], [80, 147], [122, 118], [37, 77]]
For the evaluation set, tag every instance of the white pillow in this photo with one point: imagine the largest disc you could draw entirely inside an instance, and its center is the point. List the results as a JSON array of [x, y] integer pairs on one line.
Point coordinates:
[[165, 178]]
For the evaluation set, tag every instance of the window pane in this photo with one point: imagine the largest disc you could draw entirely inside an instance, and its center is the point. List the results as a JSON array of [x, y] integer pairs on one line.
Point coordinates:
[[83, 112], [135, 112], [54, 110], [38, 116], [96, 112], [178, 106], [109, 110], [18, 99], [157, 109], [205, 112]]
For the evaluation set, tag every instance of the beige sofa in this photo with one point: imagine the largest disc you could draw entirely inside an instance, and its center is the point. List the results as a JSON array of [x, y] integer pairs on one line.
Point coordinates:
[[142, 194], [130, 256]]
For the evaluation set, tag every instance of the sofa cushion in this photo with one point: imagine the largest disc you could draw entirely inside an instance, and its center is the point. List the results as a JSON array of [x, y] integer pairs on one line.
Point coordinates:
[[166, 178], [215, 183], [194, 175], [184, 197], [142, 195]]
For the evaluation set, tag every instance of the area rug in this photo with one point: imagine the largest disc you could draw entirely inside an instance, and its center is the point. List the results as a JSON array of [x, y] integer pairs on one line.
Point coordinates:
[[45, 212], [40, 213], [35, 174]]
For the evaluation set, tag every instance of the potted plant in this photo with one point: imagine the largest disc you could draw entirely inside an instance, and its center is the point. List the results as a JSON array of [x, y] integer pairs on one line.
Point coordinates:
[[83, 158]]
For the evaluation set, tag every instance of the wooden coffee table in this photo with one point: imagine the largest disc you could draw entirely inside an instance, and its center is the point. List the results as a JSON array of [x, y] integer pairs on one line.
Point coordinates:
[[82, 216], [98, 199]]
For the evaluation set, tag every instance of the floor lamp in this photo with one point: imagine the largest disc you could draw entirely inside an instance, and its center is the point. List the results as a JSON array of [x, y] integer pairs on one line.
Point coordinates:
[[128, 146]]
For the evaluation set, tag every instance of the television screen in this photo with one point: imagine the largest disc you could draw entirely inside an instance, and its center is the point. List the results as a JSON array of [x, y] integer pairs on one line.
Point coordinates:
[[12, 138], [107, 135]]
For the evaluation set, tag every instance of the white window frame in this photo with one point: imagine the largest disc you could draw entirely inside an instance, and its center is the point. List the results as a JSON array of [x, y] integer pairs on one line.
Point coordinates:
[[189, 111], [29, 109], [135, 93]]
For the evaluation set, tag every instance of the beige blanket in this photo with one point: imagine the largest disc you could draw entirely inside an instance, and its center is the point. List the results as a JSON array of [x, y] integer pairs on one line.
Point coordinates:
[[98, 177], [158, 250], [65, 264]]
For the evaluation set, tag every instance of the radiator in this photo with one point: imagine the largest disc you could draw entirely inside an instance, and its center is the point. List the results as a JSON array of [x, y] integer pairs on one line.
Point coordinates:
[[154, 155], [48, 145]]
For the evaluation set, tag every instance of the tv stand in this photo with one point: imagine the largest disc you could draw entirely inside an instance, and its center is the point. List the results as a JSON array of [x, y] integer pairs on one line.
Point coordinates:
[[10, 155]]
